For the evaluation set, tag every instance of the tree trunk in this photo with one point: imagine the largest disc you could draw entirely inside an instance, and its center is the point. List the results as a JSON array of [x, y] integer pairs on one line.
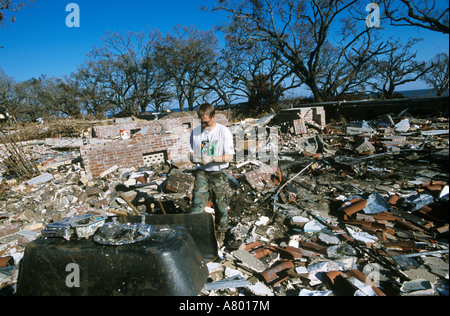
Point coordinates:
[[318, 95]]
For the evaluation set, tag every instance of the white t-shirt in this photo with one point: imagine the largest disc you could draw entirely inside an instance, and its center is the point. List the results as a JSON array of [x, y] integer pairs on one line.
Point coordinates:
[[215, 143]]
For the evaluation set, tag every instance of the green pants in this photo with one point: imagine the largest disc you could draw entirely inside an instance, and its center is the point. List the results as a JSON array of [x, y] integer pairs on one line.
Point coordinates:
[[215, 183]]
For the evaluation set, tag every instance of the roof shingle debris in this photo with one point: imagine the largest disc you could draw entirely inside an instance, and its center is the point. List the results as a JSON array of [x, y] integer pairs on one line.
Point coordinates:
[[357, 208]]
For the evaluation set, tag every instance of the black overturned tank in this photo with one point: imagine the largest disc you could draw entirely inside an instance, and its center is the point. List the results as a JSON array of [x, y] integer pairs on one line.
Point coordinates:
[[151, 255]]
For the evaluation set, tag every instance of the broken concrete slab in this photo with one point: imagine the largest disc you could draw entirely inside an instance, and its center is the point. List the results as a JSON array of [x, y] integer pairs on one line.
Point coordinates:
[[359, 131], [249, 261], [265, 120], [46, 177], [306, 292], [260, 289], [231, 282], [421, 273], [108, 171], [418, 287], [437, 266], [402, 126], [328, 239]]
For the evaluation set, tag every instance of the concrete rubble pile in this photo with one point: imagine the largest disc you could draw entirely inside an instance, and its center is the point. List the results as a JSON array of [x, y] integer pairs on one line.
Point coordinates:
[[352, 208]]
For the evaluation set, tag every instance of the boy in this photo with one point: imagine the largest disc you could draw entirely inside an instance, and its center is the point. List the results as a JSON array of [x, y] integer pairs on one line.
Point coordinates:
[[211, 148]]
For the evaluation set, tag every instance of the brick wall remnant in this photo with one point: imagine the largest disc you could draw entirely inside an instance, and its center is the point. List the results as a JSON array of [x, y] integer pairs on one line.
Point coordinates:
[[130, 152]]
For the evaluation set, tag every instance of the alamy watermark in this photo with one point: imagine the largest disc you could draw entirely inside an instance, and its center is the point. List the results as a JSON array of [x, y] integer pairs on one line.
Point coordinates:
[[73, 278], [373, 19], [252, 143], [372, 273], [256, 143], [73, 18]]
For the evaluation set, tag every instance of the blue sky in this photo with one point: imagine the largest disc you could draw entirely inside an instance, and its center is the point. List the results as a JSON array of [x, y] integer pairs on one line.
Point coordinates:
[[39, 42]]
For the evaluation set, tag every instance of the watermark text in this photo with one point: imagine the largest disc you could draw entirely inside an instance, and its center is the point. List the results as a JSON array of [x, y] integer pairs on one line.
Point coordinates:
[[373, 19], [73, 18]]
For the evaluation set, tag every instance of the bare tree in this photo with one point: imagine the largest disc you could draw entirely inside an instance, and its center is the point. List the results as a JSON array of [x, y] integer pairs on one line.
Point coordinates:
[[300, 34], [27, 105], [91, 91], [59, 96], [428, 14], [115, 62], [335, 69], [254, 63], [397, 67], [153, 82], [218, 80], [187, 57], [126, 74], [42, 97], [438, 76], [128, 69]]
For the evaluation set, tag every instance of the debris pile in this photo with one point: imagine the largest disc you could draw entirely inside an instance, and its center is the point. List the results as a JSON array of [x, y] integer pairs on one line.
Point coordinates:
[[357, 208]]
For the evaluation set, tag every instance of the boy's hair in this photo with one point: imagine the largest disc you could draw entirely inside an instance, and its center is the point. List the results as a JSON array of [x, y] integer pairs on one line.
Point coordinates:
[[207, 109]]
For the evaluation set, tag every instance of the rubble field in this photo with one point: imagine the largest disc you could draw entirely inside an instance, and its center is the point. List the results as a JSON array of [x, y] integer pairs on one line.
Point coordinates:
[[350, 208]]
